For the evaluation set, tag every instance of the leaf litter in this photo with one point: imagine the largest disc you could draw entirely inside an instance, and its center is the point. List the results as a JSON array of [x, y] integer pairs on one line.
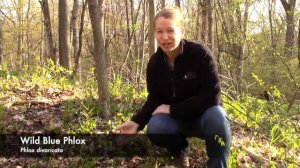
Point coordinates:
[[40, 110]]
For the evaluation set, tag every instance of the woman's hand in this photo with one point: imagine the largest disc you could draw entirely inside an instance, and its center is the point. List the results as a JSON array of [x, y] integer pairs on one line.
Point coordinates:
[[164, 109], [129, 127]]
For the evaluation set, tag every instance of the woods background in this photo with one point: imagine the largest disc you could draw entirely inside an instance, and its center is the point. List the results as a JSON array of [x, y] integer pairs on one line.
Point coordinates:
[[250, 39], [256, 44]]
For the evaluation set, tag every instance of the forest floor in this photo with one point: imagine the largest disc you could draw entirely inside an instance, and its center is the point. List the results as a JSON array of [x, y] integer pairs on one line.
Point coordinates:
[[40, 110], [32, 113]]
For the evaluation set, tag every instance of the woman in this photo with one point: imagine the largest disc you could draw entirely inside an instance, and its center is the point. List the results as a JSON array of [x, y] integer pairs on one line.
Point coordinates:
[[184, 95]]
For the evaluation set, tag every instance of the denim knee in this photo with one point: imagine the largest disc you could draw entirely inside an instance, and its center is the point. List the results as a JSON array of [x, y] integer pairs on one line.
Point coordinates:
[[214, 120], [162, 130], [162, 124]]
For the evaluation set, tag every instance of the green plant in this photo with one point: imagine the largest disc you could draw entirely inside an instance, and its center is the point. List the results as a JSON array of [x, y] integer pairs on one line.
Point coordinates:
[[267, 120], [89, 163], [2, 114], [233, 160], [86, 125], [70, 108]]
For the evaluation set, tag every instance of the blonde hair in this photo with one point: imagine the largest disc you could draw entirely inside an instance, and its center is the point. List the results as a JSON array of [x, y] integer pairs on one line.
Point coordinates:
[[173, 13]]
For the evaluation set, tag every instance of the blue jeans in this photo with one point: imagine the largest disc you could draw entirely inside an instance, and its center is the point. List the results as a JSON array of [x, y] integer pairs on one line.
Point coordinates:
[[213, 126]]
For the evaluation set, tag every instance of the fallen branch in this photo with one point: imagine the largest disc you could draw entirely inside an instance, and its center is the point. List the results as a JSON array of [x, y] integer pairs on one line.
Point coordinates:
[[22, 90], [256, 155], [30, 102]]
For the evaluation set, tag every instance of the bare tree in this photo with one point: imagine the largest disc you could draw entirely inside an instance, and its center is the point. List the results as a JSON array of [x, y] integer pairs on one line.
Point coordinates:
[[47, 23], [28, 43], [290, 27], [163, 3], [75, 31], [152, 44], [204, 21], [64, 36], [273, 34], [210, 19], [142, 42], [239, 49], [127, 21], [234, 25], [75, 26], [128, 29], [1, 43], [132, 36], [198, 37], [20, 36], [271, 10], [177, 3], [99, 53], [77, 68], [1, 38], [299, 46], [133, 23]]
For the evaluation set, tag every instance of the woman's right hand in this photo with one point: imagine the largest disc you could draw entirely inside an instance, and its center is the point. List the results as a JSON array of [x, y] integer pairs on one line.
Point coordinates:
[[128, 127]]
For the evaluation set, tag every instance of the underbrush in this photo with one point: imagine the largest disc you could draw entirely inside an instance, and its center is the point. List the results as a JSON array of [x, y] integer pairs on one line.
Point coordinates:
[[272, 126]]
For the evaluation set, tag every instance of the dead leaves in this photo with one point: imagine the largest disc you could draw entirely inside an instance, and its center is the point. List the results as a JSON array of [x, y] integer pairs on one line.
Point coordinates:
[[32, 109]]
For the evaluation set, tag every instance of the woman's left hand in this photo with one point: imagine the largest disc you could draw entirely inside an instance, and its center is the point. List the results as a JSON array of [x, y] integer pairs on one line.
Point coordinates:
[[164, 109]]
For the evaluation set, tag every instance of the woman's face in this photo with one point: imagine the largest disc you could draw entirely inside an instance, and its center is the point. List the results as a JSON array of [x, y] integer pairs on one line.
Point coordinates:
[[167, 33]]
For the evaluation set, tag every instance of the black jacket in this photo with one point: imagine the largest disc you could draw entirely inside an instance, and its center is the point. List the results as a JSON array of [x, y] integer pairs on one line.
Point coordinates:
[[190, 88]]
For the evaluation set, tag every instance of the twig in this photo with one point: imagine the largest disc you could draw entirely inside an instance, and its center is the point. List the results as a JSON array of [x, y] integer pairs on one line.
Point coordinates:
[[13, 22], [31, 102], [290, 74]]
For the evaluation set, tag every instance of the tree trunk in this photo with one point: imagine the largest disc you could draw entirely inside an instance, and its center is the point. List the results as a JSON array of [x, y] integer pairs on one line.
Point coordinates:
[[210, 19], [75, 32], [163, 3], [234, 25], [204, 21], [142, 42], [75, 27], [240, 47], [177, 3], [132, 37], [290, 27], [152, 43], [1, 39], [77, 68], [64, 36], [43, 43], [99, 54], [129, 31], [272, 29], [299, 46], [1, 43], [198, 38], [47, 23], [127, 22], [27, 34], [134, 21], [20, 38], [271, 10]]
